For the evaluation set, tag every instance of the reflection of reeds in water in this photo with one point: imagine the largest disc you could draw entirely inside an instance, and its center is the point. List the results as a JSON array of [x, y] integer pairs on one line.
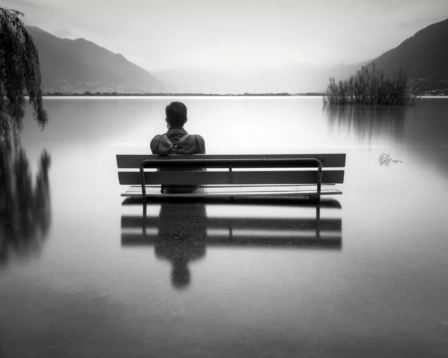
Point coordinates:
[[25, 212], [369, 121], [371, 87]]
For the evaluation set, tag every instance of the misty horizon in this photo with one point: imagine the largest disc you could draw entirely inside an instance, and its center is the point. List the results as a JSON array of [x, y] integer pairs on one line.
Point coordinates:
[[235, 36]]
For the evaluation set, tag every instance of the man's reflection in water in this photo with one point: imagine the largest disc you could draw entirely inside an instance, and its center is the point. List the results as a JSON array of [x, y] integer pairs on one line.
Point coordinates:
[[182, 238], [25, 208]]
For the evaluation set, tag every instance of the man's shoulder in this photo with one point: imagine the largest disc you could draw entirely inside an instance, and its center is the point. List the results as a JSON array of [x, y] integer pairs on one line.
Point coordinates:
[[156, 138], [201, 143], [155, 142], [199, 137], [200, 140]]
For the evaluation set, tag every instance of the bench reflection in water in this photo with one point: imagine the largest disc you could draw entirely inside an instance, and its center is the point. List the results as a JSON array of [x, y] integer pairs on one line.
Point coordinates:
[[181, 230]]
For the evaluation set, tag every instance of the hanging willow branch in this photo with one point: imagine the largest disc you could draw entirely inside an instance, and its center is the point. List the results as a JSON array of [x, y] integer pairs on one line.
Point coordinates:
[[19, 75]]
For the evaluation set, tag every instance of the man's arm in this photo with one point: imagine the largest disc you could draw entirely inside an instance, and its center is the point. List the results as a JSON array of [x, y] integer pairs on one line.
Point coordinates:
[[201, 144], [155, 144]]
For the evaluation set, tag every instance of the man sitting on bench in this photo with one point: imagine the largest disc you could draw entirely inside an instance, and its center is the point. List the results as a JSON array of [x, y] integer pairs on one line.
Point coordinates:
[[177, 141]]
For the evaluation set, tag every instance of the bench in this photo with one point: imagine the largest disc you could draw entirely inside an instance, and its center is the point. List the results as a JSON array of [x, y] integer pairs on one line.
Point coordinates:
[[313, 175]]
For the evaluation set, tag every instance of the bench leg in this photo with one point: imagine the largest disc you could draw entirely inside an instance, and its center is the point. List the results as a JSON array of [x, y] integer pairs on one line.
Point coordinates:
[[318, 221]]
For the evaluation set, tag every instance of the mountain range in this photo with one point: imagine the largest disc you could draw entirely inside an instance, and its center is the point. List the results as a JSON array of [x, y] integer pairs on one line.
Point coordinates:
[[423, 56], [79, 66]]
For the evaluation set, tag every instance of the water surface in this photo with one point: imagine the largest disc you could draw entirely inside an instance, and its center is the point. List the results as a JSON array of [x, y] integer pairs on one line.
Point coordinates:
[[85, 273]]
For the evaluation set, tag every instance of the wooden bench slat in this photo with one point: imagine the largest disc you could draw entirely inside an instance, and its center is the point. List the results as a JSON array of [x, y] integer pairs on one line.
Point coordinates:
[[242, 188], [240, 177], [330, 242], [249, 202], [220, 192], [125, 161], [265, 195], [236, 195], [240, 223], [238, 191]]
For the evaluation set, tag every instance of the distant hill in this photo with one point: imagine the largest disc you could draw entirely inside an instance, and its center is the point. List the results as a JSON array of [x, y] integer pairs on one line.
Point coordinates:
[[77, 66], [423, 56]]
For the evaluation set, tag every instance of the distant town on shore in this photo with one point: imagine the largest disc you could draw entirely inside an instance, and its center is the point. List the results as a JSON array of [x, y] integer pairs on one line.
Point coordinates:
[[116, 94]]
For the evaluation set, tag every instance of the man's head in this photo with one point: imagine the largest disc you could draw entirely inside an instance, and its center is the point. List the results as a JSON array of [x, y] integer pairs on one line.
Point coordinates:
[[176, 114]]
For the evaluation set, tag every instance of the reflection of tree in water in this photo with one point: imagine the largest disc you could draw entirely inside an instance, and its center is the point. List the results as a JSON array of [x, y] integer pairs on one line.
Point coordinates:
[[368, 122], [182, 238], [25, 212]]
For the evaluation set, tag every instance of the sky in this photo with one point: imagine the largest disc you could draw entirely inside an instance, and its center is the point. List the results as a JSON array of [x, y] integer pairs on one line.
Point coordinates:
[[235, 35]]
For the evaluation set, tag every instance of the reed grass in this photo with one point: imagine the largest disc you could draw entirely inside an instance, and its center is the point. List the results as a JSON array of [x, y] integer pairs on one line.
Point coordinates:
[[371, 87]]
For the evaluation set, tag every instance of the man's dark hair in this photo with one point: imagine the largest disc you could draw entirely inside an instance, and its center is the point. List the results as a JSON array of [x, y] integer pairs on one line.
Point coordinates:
[[176, 114]]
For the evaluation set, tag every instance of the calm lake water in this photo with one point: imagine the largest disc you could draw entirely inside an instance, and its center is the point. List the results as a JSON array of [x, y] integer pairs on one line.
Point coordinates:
[[78, 278]]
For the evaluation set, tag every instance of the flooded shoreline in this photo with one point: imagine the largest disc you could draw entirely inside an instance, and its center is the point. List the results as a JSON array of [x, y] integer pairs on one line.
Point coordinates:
[[362, 276]]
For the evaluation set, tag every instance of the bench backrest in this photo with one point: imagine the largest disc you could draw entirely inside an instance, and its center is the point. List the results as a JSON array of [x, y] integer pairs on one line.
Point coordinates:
[[230, 162]]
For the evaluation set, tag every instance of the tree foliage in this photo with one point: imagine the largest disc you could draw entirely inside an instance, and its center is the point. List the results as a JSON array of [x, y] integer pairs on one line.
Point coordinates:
[[19, 75]]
